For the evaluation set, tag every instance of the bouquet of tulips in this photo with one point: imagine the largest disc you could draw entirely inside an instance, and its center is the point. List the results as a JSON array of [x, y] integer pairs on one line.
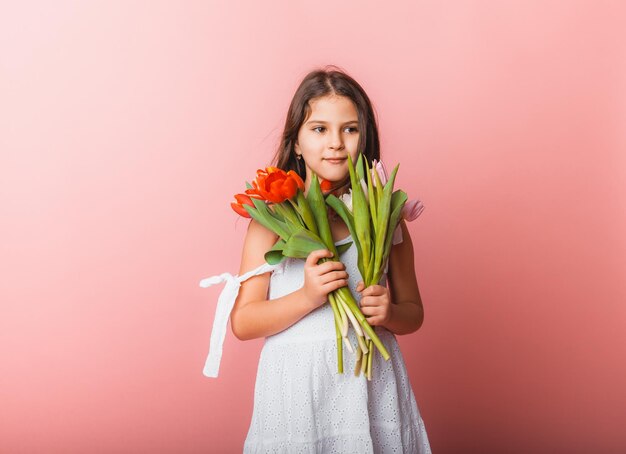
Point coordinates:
[[372, 211]]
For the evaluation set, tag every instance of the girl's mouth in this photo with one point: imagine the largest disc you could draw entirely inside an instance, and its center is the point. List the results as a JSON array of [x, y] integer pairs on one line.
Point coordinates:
[[336, 161]]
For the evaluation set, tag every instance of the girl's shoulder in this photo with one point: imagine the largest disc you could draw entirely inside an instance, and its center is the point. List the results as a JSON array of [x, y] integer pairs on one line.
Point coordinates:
[[260, 232], [257, 242]]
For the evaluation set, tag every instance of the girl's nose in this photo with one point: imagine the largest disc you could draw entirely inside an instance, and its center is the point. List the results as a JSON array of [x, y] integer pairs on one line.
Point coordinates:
[[336, 142]]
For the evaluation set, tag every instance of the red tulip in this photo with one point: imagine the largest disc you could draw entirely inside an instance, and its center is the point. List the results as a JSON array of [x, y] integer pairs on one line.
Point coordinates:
[[325, 185], [241, 200], [275, 185]]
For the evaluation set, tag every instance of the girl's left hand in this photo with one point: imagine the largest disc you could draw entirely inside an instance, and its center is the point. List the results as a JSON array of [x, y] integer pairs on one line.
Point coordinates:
[[375, 304]]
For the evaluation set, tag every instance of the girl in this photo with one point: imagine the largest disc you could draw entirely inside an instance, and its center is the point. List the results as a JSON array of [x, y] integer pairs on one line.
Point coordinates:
[[301, 403]]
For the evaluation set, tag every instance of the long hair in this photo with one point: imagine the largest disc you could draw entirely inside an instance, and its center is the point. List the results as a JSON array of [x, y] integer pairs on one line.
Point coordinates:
[[330, 80]]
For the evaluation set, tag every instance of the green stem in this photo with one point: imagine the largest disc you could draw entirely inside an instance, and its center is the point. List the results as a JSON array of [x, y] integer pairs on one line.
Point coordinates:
[[370, 358], [352, 304], [363, 344], [333, 305], [345, 322], [364, 361], [359, 357]]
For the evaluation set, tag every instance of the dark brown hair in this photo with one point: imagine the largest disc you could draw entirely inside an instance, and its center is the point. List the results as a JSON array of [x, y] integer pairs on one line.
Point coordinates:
[[330, 80]]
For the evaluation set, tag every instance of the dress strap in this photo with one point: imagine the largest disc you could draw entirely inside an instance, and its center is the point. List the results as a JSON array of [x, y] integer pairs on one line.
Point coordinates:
[[225, 304]]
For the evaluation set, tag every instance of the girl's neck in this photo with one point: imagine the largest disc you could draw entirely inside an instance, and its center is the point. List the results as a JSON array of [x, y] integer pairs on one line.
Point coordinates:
[[338, 228]]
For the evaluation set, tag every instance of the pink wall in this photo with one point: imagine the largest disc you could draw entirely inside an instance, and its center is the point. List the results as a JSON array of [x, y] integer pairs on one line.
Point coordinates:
[[125, 128]]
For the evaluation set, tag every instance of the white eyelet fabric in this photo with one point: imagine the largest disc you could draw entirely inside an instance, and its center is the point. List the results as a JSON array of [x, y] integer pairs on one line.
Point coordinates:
[[302, 405]]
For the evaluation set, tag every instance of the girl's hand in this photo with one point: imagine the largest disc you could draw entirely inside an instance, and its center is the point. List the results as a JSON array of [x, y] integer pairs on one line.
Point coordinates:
[[375, 304], [320, 280]]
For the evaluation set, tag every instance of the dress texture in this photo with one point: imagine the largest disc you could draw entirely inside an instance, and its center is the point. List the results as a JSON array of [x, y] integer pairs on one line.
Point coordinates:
[[302, 405]]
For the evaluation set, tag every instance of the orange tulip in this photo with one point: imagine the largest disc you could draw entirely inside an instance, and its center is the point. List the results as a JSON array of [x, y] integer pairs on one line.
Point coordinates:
[[325, 185], [241, 200], [275, 185]]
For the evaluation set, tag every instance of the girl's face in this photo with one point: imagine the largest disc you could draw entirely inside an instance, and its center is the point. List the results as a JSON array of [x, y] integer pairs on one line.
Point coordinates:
[[326, 138]]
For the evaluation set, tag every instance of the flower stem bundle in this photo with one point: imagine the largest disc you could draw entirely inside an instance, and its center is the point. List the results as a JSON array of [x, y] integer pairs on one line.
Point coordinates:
[[372, 211]]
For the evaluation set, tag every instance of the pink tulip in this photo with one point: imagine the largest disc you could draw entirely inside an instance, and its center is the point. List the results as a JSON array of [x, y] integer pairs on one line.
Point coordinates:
[[412, 209], [379, 167]]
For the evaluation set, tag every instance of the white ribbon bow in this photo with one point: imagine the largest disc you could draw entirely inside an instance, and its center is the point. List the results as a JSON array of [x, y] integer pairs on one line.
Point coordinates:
[[225, 304]]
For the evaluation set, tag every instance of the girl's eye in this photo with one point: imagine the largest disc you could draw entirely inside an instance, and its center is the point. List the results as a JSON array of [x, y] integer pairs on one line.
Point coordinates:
[[322, 127]]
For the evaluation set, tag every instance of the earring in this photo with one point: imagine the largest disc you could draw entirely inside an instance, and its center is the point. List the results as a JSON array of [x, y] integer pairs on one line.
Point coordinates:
[[298, 159]]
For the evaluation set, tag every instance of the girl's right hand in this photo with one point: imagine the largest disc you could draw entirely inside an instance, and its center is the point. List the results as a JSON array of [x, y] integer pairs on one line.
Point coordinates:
[[320, 280]]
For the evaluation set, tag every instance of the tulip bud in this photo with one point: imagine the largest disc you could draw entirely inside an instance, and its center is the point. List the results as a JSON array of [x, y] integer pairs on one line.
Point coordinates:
[[325, 185], [347, 199], [412, 209], [379, 168], [241, 200]]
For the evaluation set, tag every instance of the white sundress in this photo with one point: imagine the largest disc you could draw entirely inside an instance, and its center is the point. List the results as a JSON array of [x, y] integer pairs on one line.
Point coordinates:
[[301, 403]]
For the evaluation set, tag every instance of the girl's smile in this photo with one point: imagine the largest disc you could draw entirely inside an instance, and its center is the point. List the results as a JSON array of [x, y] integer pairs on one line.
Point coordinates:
[[336, 160]]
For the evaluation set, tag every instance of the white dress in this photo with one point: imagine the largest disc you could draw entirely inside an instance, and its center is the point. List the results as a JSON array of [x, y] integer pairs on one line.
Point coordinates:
[[303, 405]]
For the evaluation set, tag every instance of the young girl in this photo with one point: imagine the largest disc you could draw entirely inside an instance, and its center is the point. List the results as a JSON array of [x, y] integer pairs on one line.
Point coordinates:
[[301, 403]]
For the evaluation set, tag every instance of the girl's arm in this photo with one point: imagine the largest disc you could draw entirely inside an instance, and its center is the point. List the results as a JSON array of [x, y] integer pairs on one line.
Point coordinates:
[[407, 312], [253, 315]]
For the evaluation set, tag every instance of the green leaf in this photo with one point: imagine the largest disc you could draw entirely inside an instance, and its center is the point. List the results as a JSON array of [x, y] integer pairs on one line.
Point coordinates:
[[368, 280], [262, 214], [398, 200], [275, 254], [286, 212], [315, 200], [379, 186], [262, 207], [361, 214], [359, 166], [384, 211], [308, 212], [302, 243], [373, 200], [248, 185], [341, 248], [342, 210]]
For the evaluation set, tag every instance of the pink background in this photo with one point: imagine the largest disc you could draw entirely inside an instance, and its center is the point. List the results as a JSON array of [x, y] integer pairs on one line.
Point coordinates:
[[126, 127]]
